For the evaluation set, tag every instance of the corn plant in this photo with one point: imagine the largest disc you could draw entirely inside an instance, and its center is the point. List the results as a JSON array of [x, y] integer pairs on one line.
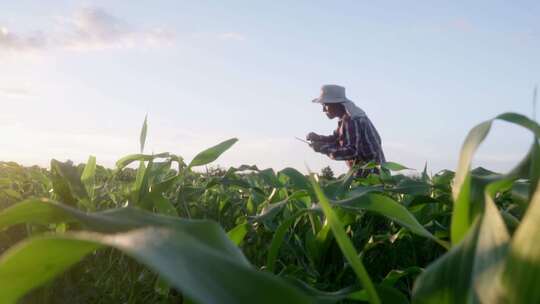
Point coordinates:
[[239, 235]]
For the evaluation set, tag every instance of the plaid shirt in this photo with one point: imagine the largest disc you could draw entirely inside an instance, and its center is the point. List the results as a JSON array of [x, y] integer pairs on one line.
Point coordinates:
[[355, 140]]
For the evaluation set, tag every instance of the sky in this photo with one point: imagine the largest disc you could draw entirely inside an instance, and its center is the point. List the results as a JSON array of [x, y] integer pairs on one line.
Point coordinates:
[[78, 78]]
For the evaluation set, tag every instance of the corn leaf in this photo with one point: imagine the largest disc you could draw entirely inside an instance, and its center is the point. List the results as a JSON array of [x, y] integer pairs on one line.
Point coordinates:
[[88, 177], [195, 256], [199, 271], [469, 271], [389, 208], [144, 129], [346, 245], [211, 154], [238, 233], [522, 269], [465, 194]]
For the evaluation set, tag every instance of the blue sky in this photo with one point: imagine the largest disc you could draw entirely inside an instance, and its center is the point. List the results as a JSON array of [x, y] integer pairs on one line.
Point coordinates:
[[79, 76]]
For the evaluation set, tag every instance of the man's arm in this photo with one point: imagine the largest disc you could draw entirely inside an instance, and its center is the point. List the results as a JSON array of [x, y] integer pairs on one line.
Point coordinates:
[[351, 133], [322, 138], [361, 140]]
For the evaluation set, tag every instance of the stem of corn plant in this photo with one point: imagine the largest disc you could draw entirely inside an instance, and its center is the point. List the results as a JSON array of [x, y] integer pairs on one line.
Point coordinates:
[[345, 243]]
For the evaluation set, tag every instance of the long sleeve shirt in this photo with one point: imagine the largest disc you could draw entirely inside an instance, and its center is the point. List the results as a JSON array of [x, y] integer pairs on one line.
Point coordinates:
[[354, 140]]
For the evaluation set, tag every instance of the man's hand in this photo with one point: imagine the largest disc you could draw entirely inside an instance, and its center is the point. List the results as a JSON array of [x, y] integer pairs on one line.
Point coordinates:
[[317, 146], [313, 136]]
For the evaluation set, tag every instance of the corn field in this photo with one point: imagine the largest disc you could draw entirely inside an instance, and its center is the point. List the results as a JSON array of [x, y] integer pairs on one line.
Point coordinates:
[[166, 233]]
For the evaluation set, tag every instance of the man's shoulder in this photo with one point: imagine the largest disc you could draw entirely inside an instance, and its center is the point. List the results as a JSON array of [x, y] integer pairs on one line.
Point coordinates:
[[358, 119]]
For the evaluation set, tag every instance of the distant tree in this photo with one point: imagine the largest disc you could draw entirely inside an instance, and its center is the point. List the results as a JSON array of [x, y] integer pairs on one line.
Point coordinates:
[[327, 172], [215, 171], [127, 175]]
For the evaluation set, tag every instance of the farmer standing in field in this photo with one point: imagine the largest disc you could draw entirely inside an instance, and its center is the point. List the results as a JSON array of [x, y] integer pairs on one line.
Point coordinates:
[[355, 140]]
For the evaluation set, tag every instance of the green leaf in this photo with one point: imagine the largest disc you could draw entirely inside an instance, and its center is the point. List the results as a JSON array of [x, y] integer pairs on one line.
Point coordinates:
[[412, 187], [163, 205], [162, 287], [389, 295], [142, 139], [270, 178], [358, 191], [127, 160], [466, 195], [520, 192], [448, 279], [425, 176], [469, 271], [534, 171], [37, 211], [461, 217], [277, 240], [181, 259], [393, 276], [211, 154], [88, 177], [140, 187], [44, 211], [521, 120], [5, 181], [324, 297], [491, 247], [522, 269], [165, 185], [23, 270], [67, 182], [339, 188], [393, 166], [238, 233], [297, 180], [182, 251], [12, 193], [323, 240], [345, 244], [271, 210], [389, 208]]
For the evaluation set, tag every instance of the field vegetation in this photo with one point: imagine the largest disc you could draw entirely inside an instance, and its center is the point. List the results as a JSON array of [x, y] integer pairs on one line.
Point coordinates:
[[154, 230]]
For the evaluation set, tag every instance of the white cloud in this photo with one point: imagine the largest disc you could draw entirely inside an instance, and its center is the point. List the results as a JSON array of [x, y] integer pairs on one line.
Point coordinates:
[[94, 28], [15, 42], [88, 29], [15, 92]]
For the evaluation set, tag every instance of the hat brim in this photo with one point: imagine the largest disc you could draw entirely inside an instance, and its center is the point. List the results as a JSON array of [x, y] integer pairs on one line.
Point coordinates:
[[329, 100]]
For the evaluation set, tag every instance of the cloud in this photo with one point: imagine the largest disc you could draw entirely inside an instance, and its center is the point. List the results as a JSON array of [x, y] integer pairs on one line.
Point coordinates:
[[94, 28], [89, 29], [15, 92], [15, 42]]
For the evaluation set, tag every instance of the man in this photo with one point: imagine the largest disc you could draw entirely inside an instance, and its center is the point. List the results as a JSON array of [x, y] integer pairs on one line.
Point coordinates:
[[355, 140]]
